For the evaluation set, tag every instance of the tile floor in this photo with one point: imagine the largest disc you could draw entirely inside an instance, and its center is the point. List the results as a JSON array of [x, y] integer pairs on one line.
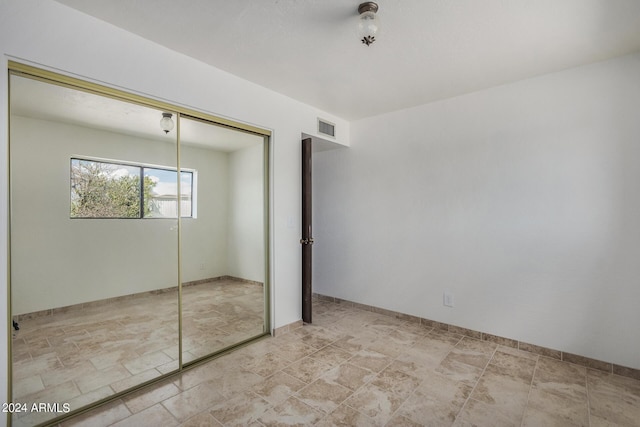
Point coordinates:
[[358, 368], [81, 356]]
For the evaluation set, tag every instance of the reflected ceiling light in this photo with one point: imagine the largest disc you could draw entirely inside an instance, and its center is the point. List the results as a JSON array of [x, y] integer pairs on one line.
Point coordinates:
[[166, 124], [368, 23]]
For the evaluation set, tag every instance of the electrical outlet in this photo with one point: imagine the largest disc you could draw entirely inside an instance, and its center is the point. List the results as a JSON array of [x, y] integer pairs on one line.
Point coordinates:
[[447, 299]]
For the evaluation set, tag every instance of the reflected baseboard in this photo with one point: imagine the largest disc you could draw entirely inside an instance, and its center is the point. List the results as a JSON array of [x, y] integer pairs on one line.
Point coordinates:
[[115, 300]]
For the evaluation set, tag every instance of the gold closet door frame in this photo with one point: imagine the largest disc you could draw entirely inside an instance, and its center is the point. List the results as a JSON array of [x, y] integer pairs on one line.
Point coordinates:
[[34, 73]]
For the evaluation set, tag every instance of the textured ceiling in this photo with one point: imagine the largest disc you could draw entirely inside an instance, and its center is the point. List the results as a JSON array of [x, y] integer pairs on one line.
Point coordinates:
[[39, 100], [427, 49]]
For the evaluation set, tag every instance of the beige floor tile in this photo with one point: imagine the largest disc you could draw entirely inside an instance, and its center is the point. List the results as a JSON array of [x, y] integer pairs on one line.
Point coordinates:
[[504, 394], [408, 334], [389, 347], [351, 367], [417, 365], [423, 409], [191, 402], [350, 376], [62, 375], [599, 381], [233, 382], [268, 364], [323, 394], [459, 371], [397, 382], [552, 371], [402, 421], [107, 359], [476, 346], [375, 402], [512, 364], [203, 419], [444, 389], [37, 365], [293, 351], [436, 337], [345, 416], [481, 414], [99, 379], [277, 388], [241, 410], [355, 343], [429, 348], [59, 393], [331, 354], [601, 422], [371, 360], [319, 339], [536, 418], [436, 401], [573, 409], [623, 410], [308, 369], [472, 352], [139, 334], [291, 412], [154, 416], [27, 386]]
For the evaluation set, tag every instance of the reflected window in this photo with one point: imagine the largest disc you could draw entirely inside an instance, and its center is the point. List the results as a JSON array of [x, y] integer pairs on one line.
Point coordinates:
[[105, 189], [161, 193]]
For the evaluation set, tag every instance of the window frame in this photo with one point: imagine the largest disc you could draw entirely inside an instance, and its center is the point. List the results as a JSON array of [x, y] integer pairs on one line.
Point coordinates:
[[141, 200]]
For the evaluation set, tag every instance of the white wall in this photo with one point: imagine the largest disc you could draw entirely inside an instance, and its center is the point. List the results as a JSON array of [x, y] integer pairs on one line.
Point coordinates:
[[245, 246], [55, 37], [57, 261], [204, 238], [521, 200]]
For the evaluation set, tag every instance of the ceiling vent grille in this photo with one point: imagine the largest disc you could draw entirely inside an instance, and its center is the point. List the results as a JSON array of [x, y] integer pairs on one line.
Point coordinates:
[[326, 128]]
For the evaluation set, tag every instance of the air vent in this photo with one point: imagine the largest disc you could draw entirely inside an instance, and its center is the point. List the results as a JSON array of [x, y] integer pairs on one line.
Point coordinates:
[[326, 128]]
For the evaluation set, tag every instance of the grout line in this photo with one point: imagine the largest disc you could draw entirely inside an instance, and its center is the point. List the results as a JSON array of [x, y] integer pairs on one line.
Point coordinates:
[[476, 384], [535, 369]]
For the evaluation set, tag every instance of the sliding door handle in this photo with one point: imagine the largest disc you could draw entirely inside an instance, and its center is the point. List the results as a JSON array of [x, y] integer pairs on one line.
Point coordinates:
[[308, 241]]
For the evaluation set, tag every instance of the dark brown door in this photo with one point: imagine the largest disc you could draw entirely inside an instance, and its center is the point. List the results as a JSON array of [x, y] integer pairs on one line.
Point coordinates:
[[307, 240]]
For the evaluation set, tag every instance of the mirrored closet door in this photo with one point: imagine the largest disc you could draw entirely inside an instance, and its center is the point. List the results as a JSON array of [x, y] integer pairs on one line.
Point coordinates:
[[223, 245], [138, 238]]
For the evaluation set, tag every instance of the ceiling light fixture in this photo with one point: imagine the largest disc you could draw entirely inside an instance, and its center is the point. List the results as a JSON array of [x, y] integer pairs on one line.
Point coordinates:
[[166, 124], [368, 23]]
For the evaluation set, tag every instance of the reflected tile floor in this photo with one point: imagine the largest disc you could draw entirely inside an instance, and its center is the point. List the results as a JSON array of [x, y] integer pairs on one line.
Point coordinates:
[[84, 355], [358, 368]]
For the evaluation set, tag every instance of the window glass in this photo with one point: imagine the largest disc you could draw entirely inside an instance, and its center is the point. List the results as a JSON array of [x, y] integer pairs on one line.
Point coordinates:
[[160, 189], [112, 190], [104, 190]]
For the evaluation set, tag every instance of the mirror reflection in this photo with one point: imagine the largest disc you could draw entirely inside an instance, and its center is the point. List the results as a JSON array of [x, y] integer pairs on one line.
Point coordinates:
[[97, 251], [223, 243]]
